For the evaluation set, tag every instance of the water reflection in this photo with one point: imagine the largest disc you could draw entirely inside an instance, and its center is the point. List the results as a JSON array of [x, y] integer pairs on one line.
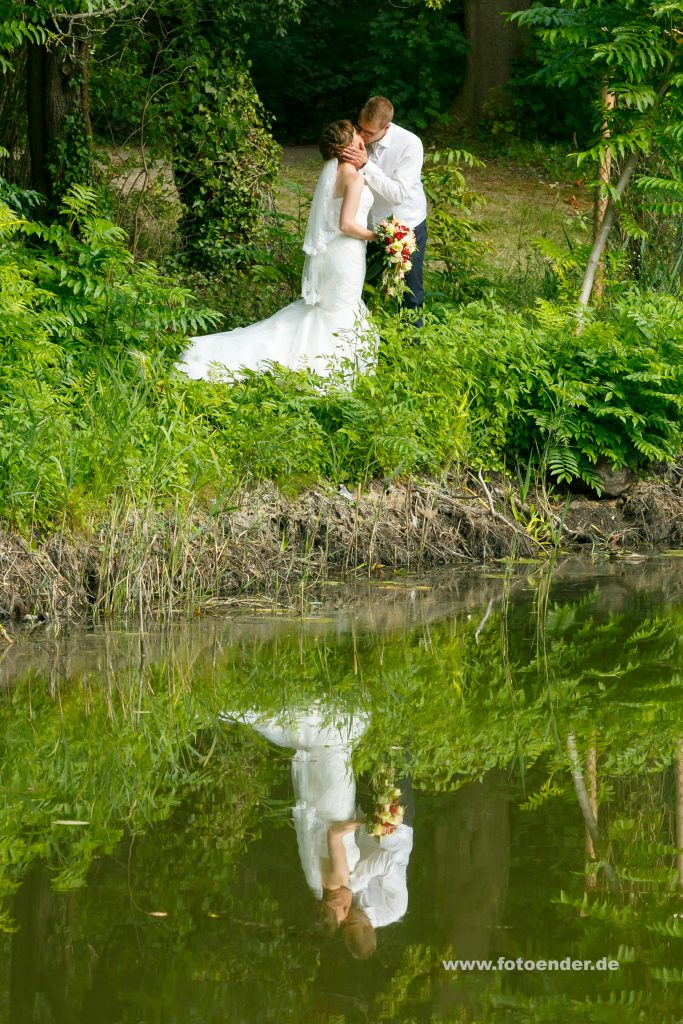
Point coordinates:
[[360, 879], [161, 865]]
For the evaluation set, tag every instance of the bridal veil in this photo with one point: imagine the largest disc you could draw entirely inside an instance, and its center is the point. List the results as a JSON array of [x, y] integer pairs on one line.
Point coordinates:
[[321, 229]]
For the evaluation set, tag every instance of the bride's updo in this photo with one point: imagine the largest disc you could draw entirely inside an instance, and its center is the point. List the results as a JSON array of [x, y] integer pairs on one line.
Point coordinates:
[[335, 138]]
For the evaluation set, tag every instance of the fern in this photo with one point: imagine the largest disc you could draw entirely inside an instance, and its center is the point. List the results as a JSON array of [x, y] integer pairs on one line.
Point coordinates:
[[563, 464]]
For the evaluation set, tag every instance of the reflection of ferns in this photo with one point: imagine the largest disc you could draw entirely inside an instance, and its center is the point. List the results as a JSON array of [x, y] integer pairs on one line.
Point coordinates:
[[549, 789]]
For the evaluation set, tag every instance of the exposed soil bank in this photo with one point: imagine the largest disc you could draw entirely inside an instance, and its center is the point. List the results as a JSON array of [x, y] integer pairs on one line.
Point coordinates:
[[267, 543]]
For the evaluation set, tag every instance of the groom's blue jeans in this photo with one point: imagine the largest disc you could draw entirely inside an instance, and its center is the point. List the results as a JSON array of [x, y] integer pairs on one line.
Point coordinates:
[[414, 298]]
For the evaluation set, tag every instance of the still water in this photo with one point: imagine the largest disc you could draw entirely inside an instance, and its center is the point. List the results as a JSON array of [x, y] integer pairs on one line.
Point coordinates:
[[171, 845]]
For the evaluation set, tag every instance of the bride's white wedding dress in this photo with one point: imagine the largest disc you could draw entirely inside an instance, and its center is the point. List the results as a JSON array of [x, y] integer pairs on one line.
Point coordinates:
[[327, 328], [322, 776]]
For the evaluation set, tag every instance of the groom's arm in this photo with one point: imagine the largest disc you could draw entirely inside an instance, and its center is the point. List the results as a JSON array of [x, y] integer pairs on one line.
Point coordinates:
[[396, 188]]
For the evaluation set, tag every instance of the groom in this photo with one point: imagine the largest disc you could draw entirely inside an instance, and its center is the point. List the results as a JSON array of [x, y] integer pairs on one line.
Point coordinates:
[[390, 160]]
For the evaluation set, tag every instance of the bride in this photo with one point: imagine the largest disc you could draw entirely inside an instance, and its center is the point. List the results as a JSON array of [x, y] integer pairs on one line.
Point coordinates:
[[329, 325]]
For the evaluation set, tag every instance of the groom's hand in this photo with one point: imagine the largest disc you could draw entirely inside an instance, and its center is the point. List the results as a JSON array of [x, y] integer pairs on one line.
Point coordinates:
[[356, 155]]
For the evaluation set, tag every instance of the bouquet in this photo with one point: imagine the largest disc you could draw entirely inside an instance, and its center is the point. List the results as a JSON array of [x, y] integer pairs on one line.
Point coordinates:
[[388, 811], [397, 244]]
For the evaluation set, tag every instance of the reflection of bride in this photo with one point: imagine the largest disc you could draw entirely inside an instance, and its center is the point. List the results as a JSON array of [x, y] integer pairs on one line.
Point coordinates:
[[329, 324], [362, 884], [323, 781]]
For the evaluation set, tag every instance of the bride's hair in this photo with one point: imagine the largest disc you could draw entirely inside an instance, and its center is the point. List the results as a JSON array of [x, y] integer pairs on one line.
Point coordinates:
[[334, 138]]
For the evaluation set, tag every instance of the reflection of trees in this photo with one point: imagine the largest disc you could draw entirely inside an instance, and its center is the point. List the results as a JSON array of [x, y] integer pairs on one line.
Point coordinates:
[[472, 848], [123, 754], [471, 839], [115, 958], [589, 805], [39, 962], [613, 687]]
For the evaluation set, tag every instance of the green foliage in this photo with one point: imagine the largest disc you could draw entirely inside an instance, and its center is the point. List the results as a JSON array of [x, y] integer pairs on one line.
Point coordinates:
[[176, 87], [408, 417], [266, 272], [86, 802], [71, 159], [15, 30], [628, 50], [225, 162], [433, 50], [545, 392], [455, 253], [20, 200], [80, 413], [91, 405], [538, 110], [630, 47]]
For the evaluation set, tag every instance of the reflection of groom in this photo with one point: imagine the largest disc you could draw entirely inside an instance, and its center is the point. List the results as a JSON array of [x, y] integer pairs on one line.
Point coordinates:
[[391, 163]]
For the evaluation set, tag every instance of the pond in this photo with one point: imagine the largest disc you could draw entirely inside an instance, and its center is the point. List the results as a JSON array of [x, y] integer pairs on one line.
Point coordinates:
[[169, 799]]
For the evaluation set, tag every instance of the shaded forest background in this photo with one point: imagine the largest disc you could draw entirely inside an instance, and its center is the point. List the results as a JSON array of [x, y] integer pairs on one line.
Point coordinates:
[[208, 89]]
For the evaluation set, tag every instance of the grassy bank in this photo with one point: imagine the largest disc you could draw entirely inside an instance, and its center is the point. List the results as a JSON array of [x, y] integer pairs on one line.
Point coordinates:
[[489, 415], [259, 542]]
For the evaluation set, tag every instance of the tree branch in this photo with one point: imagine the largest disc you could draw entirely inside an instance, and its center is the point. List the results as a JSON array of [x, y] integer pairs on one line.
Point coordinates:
[[589, 817]]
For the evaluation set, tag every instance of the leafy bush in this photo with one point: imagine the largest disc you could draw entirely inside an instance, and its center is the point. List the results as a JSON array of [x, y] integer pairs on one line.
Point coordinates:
[[455, 254], [542, 390], [173, 86], [225, 161], [82, 329], [287, 425]]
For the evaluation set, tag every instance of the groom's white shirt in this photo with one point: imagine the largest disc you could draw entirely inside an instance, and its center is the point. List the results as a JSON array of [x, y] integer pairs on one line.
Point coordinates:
[[393, 172], [378, 880]]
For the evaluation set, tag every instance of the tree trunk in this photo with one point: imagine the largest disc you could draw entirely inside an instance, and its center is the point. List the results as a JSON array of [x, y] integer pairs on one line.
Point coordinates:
[[494, 43], [602, 193], [601, 236], [600, 851], [54, 90], [610, 211], [15, 167], [592, 789]]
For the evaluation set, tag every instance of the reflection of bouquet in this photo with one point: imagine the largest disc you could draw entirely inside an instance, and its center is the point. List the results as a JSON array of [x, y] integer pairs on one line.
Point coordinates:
[[397, 244], [388, 812]]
